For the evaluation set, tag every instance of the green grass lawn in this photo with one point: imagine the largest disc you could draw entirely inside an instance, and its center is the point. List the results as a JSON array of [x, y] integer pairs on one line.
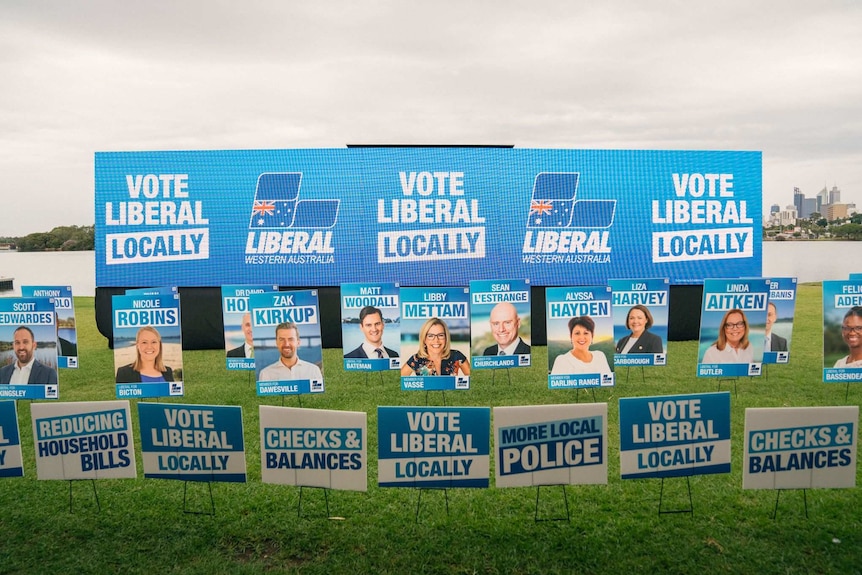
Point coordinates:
[[614, 528]]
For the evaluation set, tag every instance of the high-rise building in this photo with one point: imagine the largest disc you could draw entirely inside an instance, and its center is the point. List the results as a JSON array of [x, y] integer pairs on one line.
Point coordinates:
[[834, 195], [798, 198]]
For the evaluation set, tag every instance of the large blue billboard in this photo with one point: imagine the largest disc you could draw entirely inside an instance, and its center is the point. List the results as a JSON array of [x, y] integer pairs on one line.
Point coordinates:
[[424, 216]]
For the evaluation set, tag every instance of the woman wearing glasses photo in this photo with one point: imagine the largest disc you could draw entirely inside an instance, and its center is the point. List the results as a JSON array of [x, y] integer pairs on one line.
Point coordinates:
[[435, 355], [851, 332], [732, 345]]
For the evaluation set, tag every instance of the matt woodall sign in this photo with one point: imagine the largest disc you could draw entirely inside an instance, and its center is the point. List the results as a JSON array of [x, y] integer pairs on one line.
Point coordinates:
[[800, 447], [192, 442], [424, 216], [551, 445], [370, 326], [314, 447], [11, 464], [675, 435], [433, 446], [83, 440]]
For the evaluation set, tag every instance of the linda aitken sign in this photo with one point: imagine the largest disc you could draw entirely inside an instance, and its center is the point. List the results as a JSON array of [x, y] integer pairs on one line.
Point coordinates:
[[192, 442], [800, 447], [674, 435], [424, 216], [433, 446], [83, 440], [551, 445], [314, 447]]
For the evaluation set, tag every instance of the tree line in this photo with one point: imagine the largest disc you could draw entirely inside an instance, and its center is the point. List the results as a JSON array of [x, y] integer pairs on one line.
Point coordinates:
[[63, 238]]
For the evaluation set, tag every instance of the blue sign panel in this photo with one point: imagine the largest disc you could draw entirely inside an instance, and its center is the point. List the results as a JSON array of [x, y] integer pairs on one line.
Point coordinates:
[[192, 442], [433, 446], [732, 327], [67, 332], [11, 463], [424, 216], [779, 320], [580, 337], [371, 326], [288, 348], [640, 321], [500, 323], [238, 333], [148, 349], [674, 435], [842, 331], [435, 338], [28, 336]]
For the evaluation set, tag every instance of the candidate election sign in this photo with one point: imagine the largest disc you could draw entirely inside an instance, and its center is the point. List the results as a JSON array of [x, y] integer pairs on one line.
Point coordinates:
[[800, 447], [500, 323], [551, 445], [314, 447], [192, 442], [640, 309], [67, 332], [732, 327], [779, 320], [674, 435], [83, 440], [370, 326], [433, 446], [11, 464], [236, 317], [842, 331], [28, 325], [424, 216]]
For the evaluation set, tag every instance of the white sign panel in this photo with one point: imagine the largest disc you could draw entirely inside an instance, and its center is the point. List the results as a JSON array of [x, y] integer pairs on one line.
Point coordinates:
[[800, 447], [551, 445], [314, 447], [83, 440]]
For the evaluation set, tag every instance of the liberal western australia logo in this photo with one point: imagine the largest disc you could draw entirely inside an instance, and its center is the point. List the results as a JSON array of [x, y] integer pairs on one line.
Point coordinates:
[[281, 223], [561, 228]]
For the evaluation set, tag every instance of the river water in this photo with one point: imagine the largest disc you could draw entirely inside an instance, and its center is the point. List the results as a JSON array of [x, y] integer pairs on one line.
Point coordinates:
[[807, 261]]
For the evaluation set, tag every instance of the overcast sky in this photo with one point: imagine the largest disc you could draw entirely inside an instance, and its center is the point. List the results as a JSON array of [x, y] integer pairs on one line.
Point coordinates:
[[784, 78]]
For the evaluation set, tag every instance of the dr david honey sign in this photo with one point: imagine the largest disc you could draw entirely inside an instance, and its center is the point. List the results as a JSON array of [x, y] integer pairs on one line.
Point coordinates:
[[675, 435], [83, 440], [433, 446], [192, 442], [800, 447]]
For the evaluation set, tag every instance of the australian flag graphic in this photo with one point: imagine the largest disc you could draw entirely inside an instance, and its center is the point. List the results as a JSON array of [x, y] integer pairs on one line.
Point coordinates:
[[553, 204], [277, 205]]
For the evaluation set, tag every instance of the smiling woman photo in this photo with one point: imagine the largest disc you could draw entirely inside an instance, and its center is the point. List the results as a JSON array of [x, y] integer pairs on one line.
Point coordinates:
[[732, 345], [640, 340], [851, 333], [435, 355], [581, 359], [148, 366]]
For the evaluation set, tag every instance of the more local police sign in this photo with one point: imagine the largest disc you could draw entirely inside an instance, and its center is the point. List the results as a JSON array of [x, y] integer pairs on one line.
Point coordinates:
[[551, 445], [312, 217]]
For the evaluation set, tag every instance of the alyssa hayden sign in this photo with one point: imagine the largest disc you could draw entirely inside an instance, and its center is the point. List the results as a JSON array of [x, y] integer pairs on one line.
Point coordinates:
[[424, 216]]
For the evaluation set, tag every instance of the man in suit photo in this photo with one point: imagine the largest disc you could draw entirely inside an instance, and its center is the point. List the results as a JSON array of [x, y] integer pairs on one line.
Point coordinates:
[[26, 368], [372, 325], [505, 324], [774, 342], [247, 348]]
